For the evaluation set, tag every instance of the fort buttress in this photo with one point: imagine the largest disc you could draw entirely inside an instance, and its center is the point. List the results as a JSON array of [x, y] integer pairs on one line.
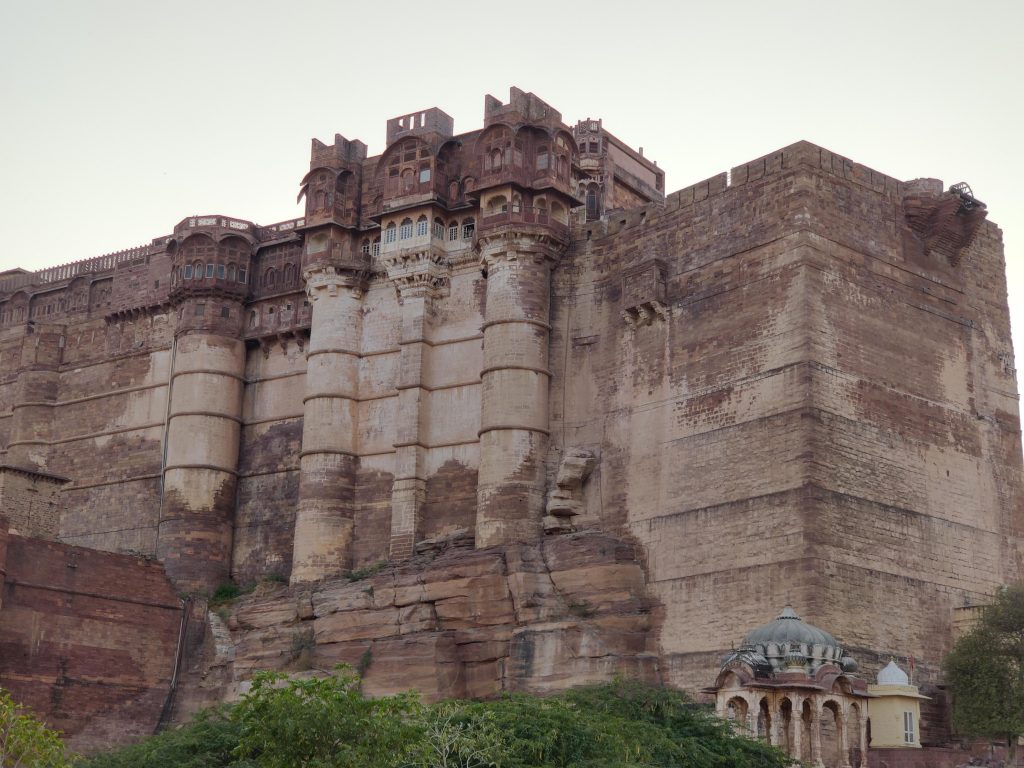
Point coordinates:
[[497, 413]]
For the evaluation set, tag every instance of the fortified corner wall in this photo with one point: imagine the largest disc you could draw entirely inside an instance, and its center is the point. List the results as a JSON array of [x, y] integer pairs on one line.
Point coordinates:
[[794, 403]]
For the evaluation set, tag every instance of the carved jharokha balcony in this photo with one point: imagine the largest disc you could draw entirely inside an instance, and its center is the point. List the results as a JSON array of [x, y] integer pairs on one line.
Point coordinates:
[[532, 218]]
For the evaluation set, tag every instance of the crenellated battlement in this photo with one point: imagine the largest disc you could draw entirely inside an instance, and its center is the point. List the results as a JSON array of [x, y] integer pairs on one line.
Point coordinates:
[[94, 265]]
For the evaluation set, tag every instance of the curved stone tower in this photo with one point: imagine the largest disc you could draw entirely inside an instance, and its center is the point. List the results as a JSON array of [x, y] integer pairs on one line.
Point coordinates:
[[335, 274], [525, 198], [210, 267]]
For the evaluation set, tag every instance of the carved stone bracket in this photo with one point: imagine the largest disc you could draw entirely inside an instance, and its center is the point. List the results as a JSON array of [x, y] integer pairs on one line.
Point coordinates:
[[418, 273], [510, 246], [321, 279], [645, 313], [566, 499], [945, 222], [643, 293]]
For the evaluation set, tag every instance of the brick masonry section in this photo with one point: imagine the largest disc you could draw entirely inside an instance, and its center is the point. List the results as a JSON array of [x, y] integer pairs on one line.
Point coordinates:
[[87, 639]]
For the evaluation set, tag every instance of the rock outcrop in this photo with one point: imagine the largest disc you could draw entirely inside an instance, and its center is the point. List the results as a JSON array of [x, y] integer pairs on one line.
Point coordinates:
[[450, 622]]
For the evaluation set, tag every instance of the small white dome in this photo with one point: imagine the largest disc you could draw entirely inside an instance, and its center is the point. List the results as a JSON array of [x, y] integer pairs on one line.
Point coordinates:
[[891, 674]]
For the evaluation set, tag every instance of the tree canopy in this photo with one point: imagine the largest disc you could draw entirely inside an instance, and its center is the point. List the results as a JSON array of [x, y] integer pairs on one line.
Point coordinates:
[[985, 671], [328, 723], [24, 741]]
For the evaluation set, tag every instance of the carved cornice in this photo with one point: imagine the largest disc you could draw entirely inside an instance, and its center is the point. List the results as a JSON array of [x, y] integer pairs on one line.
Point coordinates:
[[326, 279], [507, 245], [418, 273], [645, 313]]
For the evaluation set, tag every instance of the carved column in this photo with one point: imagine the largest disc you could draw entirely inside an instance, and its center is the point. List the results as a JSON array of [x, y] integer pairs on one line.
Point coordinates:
[[816, 735], [419, 277], [327, 465], [842, 721], [796, 746], [515, 377]]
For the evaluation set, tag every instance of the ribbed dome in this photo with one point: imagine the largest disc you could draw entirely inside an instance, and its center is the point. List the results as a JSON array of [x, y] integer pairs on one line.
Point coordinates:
[[891, 674], [790, 628]]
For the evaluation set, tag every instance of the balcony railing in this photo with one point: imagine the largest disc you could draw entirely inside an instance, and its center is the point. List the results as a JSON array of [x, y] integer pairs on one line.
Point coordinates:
[[513, 214]]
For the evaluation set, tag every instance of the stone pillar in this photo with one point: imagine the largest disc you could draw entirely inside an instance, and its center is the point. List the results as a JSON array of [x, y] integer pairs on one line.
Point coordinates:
[[409, 492], [4, 537], [418, 278], [842, 721], [816, 735], [36, 394], [201, 454], [862, 736], [796, 746], [514, 410], [324, 519]]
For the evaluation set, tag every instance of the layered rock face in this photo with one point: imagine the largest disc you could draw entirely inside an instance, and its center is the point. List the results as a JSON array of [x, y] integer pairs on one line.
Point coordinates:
[[450, 622]]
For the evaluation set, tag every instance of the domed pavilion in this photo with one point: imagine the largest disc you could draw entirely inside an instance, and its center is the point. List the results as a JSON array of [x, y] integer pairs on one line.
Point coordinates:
[[793, 685]]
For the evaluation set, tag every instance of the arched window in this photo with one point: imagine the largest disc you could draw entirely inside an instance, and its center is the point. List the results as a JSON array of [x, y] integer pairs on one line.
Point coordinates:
[[390, 232], [496, 160], [187, 275], [375, 247], [199, 270], [559, 213], [497, 204], [468, 228], [453, 230], [438, 229], [453, 191], [407, 181], [270, 277], [209, 269], [232, 272], [289, 274], [253, 318], [593, 203], [221, 271], [422, 226], [405, 230]]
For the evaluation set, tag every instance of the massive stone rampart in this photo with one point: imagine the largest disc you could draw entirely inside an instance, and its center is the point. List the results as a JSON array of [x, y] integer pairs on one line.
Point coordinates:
[[789, 383]]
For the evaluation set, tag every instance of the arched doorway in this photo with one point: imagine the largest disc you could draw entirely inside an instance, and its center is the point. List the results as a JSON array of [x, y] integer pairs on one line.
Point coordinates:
[[764, 721], [786, 726], [736, 713], [853, 725], [830, 724], [807, 718]]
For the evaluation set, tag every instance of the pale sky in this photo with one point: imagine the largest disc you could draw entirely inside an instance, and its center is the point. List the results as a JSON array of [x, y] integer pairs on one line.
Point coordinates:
[[119, 118]]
